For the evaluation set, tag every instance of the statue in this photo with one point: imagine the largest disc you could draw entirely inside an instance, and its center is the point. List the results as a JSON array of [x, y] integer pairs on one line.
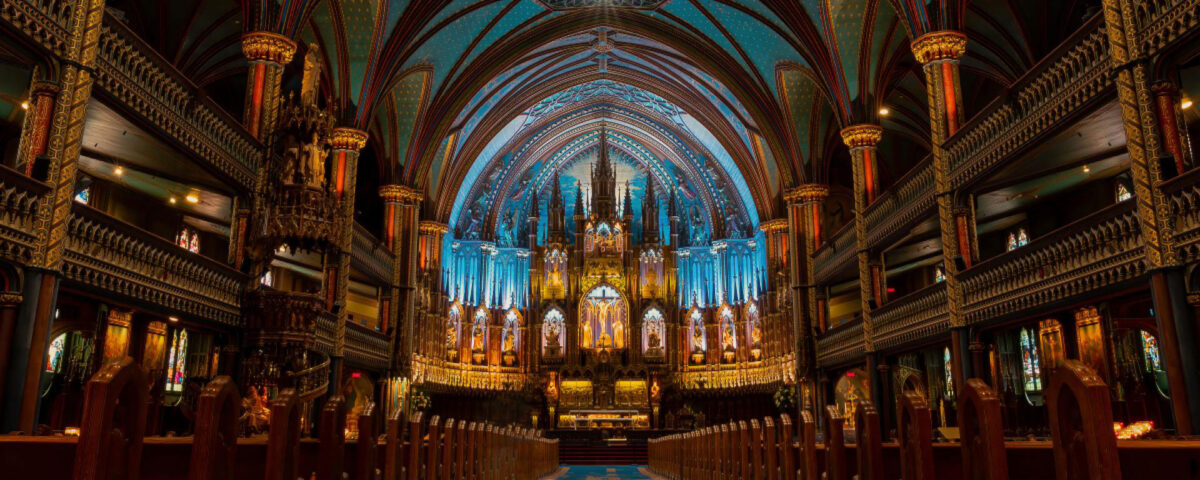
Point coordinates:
[[509, 342], [697, 338], [585, 337], [552, 334], [618, 327], [727, 340], [314, 162], [477, 334]]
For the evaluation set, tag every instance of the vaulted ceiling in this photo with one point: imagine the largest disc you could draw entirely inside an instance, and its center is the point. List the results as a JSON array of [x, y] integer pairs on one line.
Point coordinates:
[[475, 101]]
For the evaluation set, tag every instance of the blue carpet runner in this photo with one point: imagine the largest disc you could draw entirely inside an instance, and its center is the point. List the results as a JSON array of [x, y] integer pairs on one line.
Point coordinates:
[[602, 472]]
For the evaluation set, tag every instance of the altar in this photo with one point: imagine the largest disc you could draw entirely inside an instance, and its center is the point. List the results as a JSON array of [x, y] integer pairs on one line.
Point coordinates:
[[604, 419]]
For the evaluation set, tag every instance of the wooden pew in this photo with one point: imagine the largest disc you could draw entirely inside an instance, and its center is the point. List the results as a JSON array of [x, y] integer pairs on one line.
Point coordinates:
[[787, 459], [807, 431], [331, 455], [915, 429], [835, 445], [1081, 424], [869, 443], [366, 452], [755, 446], [446, 470], [214, 447], [114, 422], [393, 457], [414, 446], [770, 450], [283, 440], [477, 451], [981, 429], [463, 442], [433, 441], [743, 455]]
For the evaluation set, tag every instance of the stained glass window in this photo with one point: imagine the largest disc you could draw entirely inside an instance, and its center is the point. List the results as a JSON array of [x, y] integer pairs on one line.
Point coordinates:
[[55, 354], [948, 366], [268, 280], [84, 195], [188, 239], [939, 274], [177, 361], [1031, 370], [1022, 238], [1123, 193], [1150, 350], [1012, 242]]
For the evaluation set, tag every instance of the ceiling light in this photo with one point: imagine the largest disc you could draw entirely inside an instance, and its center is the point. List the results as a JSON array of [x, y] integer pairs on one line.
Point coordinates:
[[118, 171], [192, 198], [172, 199], [1185, 104], [883, 111], [1086, 169], [25, 105], [173, 318]]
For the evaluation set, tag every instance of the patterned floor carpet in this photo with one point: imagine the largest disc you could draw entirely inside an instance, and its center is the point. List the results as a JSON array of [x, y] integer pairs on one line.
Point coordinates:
[[603, 472]]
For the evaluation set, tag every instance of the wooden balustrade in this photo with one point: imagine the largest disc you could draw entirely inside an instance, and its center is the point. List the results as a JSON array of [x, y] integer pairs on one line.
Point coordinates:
[[1083, 444], [110, 442]]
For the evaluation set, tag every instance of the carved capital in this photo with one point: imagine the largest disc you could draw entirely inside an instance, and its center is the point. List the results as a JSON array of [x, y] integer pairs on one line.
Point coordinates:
[[863, 135], [430, 227], [806, 193], [773, 226], [10, 298], [267, 46], [1165, 89], [346, 138], [400, 194], [940, 45]]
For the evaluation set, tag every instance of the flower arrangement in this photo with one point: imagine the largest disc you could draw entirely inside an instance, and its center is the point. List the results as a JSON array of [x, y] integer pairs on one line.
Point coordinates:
[[785, 397], [419, 401]]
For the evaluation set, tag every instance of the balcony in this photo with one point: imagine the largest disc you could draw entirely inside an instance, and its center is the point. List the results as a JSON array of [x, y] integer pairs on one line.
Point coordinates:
[[835, 255], [841, 344], [903, 205], [371, 257], [1183, 197], [910, 318], [113, 257], [1096, 253], [19, 199]]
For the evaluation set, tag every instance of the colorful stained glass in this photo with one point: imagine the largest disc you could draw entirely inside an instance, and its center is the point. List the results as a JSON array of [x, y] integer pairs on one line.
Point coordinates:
[[949, 369], [84, 195], [939, 274], [1012, 242], [1022, 238], [55, 353], [177, 361], [1150, 350], [1123, 193], [268, 280], [1031, 370]]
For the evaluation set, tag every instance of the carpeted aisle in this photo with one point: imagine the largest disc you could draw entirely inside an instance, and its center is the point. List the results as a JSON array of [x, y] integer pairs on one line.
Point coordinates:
[[602, 472]]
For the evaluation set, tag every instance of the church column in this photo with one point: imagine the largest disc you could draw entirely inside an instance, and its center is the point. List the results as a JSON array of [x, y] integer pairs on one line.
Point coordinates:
[[401, 209], [862, 140], [1174, 137], [346, 143], [31, 336], [805, 235], [939, 52], [782, 331], [267, 53], [430, 261], [35, 132], [1176, 329]]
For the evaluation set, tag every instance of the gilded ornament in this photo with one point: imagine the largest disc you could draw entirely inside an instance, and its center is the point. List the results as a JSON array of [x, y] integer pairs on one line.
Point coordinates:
[[940, 45], [807, 193], [267, 46], [429, 227], [345, 138], [400, 194], [862, 135], [774, 226]]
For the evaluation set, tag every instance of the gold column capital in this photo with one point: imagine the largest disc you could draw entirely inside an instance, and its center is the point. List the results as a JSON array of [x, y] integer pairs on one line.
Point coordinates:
[[400, 194], [774, 226], [346, 138], [268, 46], [806, 193], [940, 45], [430, 227], [862, 135]]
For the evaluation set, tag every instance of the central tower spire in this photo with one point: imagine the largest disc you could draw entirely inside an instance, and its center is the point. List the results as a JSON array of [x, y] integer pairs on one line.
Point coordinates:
[[604, 182]]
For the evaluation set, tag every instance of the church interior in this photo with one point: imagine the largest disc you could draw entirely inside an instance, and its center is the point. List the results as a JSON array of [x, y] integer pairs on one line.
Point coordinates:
[[661, 239]]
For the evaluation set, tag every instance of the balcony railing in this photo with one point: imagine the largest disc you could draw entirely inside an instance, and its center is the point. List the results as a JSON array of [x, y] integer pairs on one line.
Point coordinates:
[[370, 256], [1070, 78], [366, 346], [841, 344], [1161, 22], [835, 255], [1093, 253], [918, 315], [902, 205], [19, 199], [1183, 196], [114, 257]]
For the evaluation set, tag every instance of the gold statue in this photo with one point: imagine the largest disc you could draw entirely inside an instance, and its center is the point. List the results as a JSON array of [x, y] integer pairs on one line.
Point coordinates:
[[314, 162], [585, 339], [619, 333]]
